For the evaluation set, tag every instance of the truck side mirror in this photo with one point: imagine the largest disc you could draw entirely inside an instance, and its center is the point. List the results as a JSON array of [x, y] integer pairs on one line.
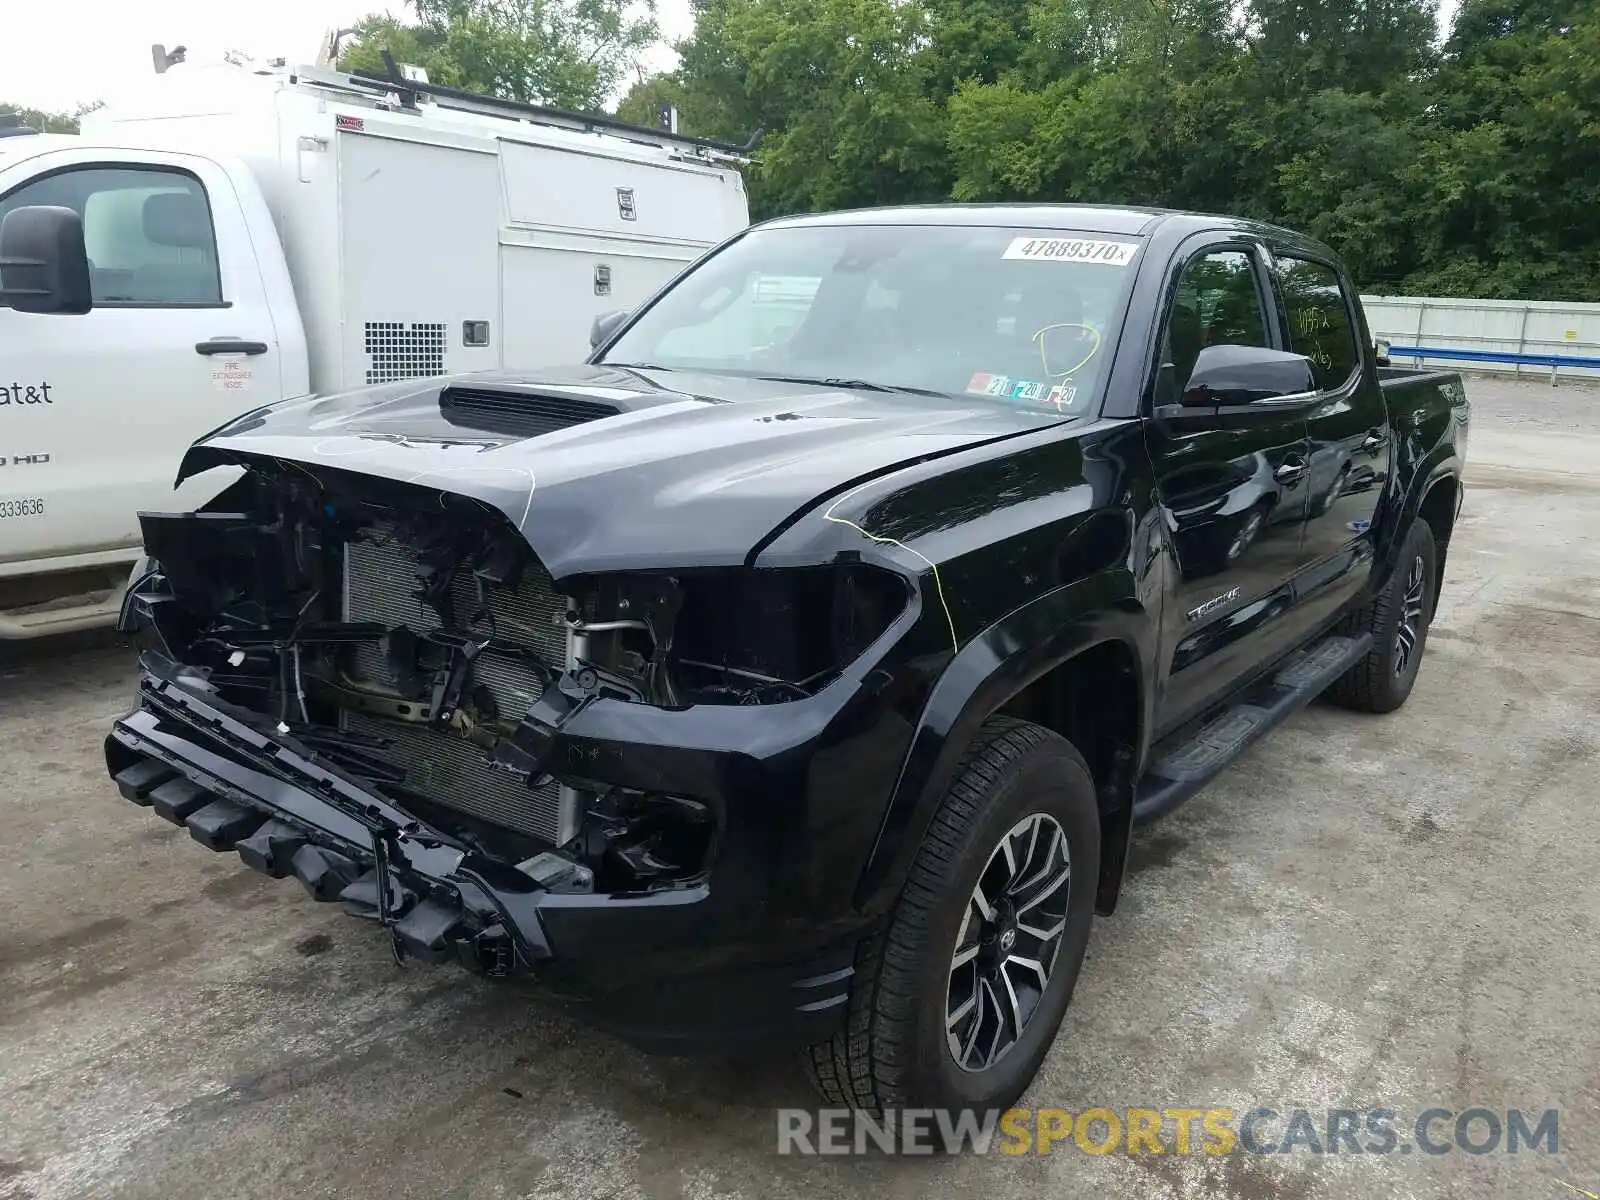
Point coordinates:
[[44, 267], [1228, 376], [604, 326]]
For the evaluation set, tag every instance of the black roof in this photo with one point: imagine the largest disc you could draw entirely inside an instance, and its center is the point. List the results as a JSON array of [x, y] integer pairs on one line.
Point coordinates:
[[1083, 218]]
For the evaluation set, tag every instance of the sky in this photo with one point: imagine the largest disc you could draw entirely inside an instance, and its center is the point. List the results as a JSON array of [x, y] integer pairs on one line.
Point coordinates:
[[58, 54]]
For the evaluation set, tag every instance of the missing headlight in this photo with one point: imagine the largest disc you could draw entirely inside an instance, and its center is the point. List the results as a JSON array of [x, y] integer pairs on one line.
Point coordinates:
[[734, 637], [764, 637]]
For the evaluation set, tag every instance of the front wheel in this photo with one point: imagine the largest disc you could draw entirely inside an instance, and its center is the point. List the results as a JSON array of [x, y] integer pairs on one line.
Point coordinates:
[[1398, 620], [956, 1004]]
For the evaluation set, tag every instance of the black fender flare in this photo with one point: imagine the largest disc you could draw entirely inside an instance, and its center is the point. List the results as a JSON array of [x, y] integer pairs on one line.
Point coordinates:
[[1441, 463], [988, 671]]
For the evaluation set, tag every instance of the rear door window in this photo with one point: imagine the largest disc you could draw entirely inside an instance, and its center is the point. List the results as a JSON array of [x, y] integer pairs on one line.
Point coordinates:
[[1317, 313]]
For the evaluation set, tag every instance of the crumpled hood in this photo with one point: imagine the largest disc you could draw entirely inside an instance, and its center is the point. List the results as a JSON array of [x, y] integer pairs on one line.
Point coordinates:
[[693, 470]]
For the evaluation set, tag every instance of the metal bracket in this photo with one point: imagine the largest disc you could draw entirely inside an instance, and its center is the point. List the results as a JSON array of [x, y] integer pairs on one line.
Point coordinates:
[[448, 683]]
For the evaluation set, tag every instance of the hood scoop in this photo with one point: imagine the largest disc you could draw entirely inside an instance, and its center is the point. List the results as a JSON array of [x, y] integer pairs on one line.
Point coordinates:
[[517, 413]]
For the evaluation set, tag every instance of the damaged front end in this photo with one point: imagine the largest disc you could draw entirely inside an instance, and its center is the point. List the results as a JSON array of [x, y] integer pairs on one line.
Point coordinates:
[[377, 687]]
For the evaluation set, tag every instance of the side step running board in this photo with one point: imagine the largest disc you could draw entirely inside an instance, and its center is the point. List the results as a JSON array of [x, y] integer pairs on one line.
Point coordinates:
[[1180, 768]]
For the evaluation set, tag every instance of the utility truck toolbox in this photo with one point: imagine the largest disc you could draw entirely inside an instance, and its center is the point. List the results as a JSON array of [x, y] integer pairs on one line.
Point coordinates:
[[258, 234], [793, 671]]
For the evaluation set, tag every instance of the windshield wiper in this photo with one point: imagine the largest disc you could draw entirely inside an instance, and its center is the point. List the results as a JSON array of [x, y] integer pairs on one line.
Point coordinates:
[[860, 385]]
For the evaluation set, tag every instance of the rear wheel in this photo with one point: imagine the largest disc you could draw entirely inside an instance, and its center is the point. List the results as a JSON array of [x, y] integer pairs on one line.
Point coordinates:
[[1398, 619], [956, 1004]]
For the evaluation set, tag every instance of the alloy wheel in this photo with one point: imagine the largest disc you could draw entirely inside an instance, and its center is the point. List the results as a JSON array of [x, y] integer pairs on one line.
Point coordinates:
[[1007, 945], [1410, 615]]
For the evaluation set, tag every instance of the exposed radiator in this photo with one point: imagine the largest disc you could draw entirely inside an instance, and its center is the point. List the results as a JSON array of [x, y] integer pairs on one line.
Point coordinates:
[[453, 772], [381, 578]]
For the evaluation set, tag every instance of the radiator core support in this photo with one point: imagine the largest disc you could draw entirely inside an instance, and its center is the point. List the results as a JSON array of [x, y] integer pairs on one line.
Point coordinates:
[[571, 801], [380, 584]]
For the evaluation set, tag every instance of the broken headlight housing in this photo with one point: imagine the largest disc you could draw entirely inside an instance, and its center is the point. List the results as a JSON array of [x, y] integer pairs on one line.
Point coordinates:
[[740, 636]]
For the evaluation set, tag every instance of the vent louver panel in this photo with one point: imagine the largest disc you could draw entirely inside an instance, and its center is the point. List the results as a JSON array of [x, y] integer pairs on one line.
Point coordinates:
[[399, 351], [522, 414]]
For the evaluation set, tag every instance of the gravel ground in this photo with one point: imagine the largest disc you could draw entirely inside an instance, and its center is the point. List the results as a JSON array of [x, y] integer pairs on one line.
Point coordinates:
[[1363, 912]]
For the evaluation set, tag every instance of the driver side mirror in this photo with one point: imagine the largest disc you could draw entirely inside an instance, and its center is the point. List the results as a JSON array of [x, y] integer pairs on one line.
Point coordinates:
[[604, 326], [1230, 376], [44, 267]]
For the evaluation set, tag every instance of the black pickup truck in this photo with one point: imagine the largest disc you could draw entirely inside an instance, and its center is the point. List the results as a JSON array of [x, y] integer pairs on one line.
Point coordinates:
[[794, 671]]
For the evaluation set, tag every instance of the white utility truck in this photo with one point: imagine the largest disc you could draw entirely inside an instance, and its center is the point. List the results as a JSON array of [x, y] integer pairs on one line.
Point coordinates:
[[258, 233]]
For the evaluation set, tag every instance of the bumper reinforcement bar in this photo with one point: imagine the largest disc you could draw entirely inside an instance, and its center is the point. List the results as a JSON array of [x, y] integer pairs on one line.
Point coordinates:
[[201, 763]]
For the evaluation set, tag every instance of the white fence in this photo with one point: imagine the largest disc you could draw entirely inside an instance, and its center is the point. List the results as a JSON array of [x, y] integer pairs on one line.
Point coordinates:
[[1508, 327]]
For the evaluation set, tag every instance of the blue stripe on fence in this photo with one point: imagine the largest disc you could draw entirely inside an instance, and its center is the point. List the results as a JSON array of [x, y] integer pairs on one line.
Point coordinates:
[[1503, 356]]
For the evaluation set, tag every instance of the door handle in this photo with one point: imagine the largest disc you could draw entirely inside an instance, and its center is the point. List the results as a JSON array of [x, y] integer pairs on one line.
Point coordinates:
[[1289, 472], [1375, 441], [227, 345]]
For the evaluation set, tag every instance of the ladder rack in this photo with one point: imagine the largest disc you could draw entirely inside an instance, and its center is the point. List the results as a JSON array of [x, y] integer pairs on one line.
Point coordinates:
[[404, 93]]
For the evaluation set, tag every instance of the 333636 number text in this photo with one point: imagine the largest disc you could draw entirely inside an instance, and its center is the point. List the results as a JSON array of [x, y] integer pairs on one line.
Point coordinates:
[[31, 506]]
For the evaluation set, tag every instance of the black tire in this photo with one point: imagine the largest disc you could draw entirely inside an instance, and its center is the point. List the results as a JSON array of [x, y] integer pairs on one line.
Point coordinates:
[[894, 1052], [1381, 681]]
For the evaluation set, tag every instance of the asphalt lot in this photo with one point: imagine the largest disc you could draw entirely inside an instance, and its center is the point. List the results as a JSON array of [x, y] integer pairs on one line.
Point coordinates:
[[1394, 912]]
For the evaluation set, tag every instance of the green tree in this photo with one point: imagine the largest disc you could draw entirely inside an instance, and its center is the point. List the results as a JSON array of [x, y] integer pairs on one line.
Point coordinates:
[[1303, 46], [840, 86], [1131, 101], [1348, 181], [569, 53], [1471, 167], [42, 121], [974, 40], [1512, 171], [998, 143], [644, 100], [1182, 36]]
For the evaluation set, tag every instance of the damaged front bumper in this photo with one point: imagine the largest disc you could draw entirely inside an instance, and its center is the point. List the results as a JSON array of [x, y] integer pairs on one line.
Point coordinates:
[[655, 966]]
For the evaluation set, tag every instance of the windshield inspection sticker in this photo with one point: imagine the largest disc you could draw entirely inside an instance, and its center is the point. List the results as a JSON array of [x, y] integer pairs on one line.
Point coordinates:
[[1063, 394], [1002, 384], [1111, 254], [986, 384]]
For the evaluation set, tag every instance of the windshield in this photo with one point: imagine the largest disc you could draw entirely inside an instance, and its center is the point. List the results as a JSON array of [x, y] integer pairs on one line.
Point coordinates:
[[1025, 316]]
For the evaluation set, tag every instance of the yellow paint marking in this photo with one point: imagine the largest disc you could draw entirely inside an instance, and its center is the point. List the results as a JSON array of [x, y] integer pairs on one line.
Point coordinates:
[[1038, 336], [938, 585]]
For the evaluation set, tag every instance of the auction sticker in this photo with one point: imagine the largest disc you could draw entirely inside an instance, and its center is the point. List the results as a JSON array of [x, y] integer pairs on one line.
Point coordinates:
[[1077, 250]]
